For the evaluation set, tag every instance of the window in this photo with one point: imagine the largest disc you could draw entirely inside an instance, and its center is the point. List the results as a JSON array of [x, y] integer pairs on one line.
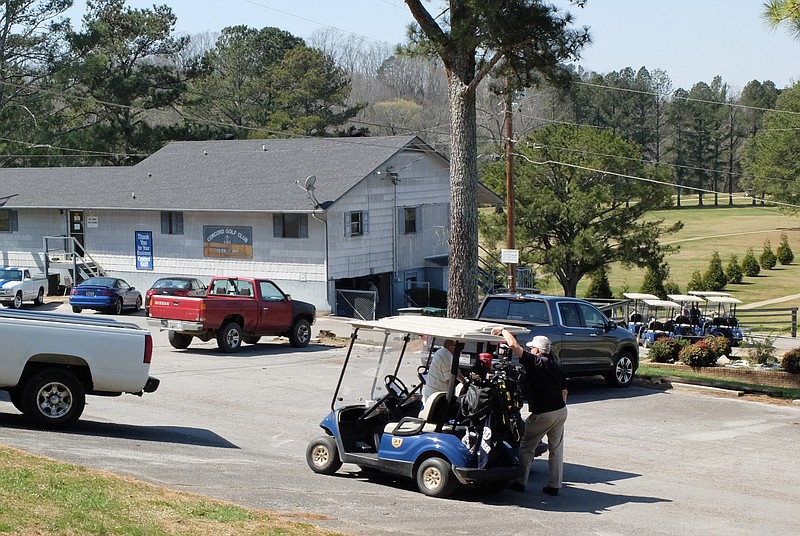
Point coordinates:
[[569, 315], [356, 223], [172, 223], [8, 220], [270, 292], [290, 225], [411, 220]]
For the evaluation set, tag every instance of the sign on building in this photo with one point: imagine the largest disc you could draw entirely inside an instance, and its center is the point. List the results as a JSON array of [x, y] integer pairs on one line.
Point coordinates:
[[227, 242], [144, 250]]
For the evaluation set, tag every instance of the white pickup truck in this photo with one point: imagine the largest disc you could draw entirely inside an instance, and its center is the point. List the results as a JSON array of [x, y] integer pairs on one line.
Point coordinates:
[[50, 362], [20, 284]]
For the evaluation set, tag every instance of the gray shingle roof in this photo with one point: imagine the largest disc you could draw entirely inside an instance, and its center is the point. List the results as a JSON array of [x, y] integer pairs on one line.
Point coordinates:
[[236, 175]]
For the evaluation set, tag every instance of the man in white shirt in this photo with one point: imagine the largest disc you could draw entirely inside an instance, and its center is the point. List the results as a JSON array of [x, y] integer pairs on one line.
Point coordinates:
[[439, 370]]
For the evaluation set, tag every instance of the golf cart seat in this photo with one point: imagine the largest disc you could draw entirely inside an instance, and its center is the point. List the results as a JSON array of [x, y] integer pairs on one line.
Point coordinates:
[[434, 412]]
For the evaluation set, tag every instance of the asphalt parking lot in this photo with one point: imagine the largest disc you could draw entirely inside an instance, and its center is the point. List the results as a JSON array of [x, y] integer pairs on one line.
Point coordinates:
[[235, 427]]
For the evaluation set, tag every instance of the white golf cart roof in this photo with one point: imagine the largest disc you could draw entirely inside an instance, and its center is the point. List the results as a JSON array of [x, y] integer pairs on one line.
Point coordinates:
[[707, 293], [662, 303], [686, 298], [433, 326], [639, 296], [722, 299]]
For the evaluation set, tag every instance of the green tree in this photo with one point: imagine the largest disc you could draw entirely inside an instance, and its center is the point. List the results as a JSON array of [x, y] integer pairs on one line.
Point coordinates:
[[531, 39], [600, 286], [767, 260], [577, 205], [653, 282], [769, 159], [783, 13], [697, 282], [784, 252], [715, 276], [750, 265], [733, 271], [116, 64]]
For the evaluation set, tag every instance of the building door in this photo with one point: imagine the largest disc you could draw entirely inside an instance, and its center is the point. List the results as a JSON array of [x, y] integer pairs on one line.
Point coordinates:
[[76, 225]]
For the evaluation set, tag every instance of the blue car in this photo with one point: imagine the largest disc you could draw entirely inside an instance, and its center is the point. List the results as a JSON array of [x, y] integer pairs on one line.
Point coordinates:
[[110, 294]]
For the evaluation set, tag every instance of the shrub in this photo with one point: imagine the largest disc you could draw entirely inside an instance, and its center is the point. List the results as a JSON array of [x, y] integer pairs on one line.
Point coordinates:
[[698, 355], [665, 350], [759, 351], [784, 252], [719, 345], [600, 286], [750, 265], [733, 271], [714, 277], [767, 260], [791, 361]]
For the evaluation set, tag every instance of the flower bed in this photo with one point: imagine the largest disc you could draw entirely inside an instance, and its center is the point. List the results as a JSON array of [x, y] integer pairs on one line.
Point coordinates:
[[757, 377]]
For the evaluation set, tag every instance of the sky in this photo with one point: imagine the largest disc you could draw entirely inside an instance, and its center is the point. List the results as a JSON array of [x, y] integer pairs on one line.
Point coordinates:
[[692, 40]]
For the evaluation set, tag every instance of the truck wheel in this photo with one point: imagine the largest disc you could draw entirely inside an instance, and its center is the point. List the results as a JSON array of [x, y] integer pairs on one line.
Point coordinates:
[[17, 303], [39, 299], [622, 373], [53, 398], [322, 455], [116, 309], [300, 334], [15, 395], [229, 338], [251, 339], [178, 340], [435, 478]]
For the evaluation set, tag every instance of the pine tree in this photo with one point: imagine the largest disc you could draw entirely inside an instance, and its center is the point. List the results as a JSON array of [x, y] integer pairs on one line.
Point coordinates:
[[767, 259], [750, 264], [697, 282], [715, 277], [733, 271], [653, 282], [784, 252], [600, 286]]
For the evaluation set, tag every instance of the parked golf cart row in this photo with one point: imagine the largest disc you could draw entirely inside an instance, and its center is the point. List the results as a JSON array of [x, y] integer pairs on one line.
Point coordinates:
[[691, 316]]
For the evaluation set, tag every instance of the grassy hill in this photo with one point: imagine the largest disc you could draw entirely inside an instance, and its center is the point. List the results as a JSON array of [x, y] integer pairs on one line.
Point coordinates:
[[728, 230]]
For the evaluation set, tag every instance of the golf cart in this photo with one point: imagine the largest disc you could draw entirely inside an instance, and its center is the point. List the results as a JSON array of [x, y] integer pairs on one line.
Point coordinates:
[[689, 322], [721, 318], [378, 423], [660, 323], [635, 310]]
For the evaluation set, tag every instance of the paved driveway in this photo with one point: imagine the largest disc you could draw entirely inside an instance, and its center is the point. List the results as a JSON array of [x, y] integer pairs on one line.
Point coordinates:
[[637, 460]]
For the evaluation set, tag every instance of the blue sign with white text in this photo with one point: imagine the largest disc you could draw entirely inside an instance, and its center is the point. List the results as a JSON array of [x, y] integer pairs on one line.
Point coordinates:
[[144, 250]]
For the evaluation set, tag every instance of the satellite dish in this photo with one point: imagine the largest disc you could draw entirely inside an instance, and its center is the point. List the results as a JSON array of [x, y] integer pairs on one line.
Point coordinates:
[[309, 182]]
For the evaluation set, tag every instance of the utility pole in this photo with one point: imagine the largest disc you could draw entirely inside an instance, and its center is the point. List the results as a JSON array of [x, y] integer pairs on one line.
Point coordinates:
[[512, 268]]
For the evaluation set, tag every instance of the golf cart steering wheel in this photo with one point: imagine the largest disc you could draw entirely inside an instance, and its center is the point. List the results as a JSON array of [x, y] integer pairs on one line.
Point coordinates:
[[395, 389]]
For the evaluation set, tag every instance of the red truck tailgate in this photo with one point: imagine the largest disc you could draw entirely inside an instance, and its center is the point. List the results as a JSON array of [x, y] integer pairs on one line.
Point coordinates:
[[176, 307]]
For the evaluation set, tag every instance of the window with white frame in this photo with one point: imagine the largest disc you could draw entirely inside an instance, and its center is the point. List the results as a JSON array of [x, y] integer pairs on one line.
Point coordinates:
[[356, 223], [290, 225]]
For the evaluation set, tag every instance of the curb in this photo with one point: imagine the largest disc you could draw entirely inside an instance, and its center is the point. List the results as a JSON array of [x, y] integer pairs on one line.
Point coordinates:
[[706, 389]]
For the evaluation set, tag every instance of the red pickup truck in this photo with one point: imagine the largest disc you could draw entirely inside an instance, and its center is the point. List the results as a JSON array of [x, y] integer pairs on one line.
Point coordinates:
[[234, 310]]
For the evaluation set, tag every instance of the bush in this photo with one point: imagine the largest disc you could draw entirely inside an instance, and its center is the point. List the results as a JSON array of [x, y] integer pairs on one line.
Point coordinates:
[[750, 264], [665, 350], [733, 271], [719, 345], [759, 351], [714, 277], [698, 355], [767, 260], [791, 361], [784, 252]]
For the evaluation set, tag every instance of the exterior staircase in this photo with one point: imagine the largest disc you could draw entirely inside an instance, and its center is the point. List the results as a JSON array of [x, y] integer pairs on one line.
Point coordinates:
[[65, 256]]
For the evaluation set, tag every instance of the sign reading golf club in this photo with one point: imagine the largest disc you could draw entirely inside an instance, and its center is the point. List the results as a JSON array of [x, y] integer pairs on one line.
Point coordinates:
[[227, 242]]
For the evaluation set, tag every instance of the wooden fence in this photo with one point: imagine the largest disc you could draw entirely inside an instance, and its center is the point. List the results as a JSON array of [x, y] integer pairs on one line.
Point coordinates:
[[781, 318]]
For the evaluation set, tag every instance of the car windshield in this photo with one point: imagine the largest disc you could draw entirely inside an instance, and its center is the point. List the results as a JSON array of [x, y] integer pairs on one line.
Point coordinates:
[[98, 282], [11, 275]]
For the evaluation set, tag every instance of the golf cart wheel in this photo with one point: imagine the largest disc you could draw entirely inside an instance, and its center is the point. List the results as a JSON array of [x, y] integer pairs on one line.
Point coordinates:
[[435, 478], [622, 373], [322, 455]]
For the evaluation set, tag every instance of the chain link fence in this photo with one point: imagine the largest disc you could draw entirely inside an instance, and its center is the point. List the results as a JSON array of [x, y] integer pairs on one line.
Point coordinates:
[[360, 304]]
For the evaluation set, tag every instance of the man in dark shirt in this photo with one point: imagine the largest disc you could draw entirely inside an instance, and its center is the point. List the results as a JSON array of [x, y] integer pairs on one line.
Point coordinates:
[[547, 402]]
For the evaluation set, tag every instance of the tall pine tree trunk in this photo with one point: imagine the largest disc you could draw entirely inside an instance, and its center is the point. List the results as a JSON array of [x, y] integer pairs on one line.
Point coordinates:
[[462, 298]]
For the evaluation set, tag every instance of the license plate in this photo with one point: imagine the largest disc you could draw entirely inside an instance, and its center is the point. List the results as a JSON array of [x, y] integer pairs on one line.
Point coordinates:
[[90, 293]]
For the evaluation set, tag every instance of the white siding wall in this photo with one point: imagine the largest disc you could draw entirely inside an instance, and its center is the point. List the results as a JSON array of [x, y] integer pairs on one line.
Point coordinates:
[[25, 247], [423, 182]]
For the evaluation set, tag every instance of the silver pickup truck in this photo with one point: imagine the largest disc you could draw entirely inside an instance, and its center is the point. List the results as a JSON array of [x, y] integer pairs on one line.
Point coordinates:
[[50, 362], [21, 284]]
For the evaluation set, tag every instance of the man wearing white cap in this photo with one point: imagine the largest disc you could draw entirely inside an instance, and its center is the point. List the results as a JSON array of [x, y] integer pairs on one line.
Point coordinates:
[[547, 402]]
